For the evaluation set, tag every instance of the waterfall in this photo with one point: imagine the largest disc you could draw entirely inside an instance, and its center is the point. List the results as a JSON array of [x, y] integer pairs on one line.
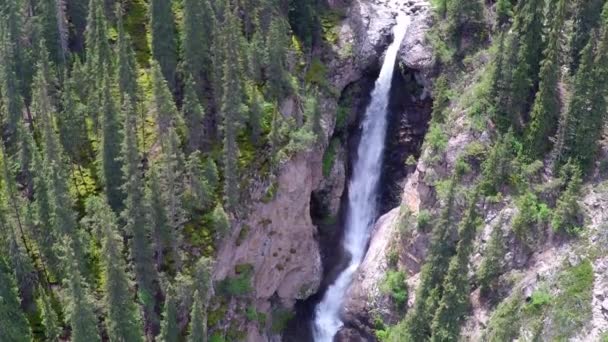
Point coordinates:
[[362, 192]]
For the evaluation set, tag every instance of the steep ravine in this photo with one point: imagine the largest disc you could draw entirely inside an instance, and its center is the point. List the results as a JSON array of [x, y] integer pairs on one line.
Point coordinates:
[[408, 115]]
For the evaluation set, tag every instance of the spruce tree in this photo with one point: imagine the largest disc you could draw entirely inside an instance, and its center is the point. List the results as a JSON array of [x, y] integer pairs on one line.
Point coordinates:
[[455, 298], [193, 114], [580, 128], [9, 86], [164, 40], [123, 318], [134, 216], [159, 220], [72, 123], [166, 112], [13, 323], [126, 64], [492, 263], [256, 115], [97, 51], [504, 12], [79, 308], [433, 273], [464, 17], [546, 108], [16, 58], [197, 326], [199, 195], [111, 164], [527, 42], [586, 18], [277, 44], [221, 222], [170, 331], [52, 328], [53, 27], [199, 25]]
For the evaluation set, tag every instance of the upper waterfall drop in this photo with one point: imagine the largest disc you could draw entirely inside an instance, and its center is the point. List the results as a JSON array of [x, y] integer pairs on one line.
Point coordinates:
[[363, 189]]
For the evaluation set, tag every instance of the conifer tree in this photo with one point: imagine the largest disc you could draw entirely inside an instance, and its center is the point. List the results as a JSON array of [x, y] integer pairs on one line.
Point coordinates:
[[197, 327], [53, 27], [455, 298], [491, 265], [72, 123], [258, 54], [173, 185], [504, 12], [111, 164], [134, 216], [203, 276], [199, 25], [199, 195], [97, 49], [126, 64], [123, 318], [586, 18], [580, 128], [159, 220], [13, 324], [210, 173], [79, 308], [464, 16], [9, 86], [170, 331], [433, 273], [527, 42], [164, 40], [44, 234], [193, 115], [546, 108], [256, 113], [52, 328], [277, 44], [221, 222], [15, 57], [166, 112]]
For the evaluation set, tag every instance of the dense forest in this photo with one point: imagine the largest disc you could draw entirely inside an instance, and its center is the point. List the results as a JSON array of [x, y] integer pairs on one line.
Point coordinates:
[[130, 130], [134, 133]]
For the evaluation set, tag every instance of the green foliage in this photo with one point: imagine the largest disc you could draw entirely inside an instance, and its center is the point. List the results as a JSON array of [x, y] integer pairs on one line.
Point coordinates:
[[530, 213], [164, 40], [330, 21], [538, 301], [572, 306], [505, 322], [423, 220], [239, 285], [436, 138], [12, 321], [317, 73], [280, 319], [330, 156], [492, 264], [566, 217], [395, 286]]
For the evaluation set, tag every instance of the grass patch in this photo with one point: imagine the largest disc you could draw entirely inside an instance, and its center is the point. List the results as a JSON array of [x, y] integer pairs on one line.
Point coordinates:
[[395, 286], [239, 285]]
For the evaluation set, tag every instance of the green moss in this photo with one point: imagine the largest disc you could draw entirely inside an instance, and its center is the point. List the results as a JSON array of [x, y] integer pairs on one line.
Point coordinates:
[[330, 21], [280, 319], [317, 73], [330, 156], [242, 235]]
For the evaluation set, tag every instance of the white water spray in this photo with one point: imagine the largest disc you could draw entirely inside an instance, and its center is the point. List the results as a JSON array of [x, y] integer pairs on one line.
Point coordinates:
[[362, 192]]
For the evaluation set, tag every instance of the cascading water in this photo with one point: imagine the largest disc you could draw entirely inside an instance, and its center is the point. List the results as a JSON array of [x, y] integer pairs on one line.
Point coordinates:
[[361, 210]]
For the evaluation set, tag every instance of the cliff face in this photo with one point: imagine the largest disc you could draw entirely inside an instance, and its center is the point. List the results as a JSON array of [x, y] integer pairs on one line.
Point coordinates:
[[277, 240]]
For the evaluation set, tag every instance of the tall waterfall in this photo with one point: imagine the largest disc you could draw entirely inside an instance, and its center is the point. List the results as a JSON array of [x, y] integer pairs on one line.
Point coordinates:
[[362, 192]]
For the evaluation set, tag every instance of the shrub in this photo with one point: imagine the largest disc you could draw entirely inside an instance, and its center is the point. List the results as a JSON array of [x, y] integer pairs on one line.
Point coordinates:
[[424, 219], [330, 156], [239, 285], [395, 286], [436, 138], [280, 319]]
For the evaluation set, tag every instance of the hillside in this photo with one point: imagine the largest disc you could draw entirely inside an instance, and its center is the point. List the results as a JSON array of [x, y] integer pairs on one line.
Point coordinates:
[[303, 170]]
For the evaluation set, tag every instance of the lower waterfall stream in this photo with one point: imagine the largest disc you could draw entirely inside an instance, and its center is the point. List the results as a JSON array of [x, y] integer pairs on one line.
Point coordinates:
[[363, 192]]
